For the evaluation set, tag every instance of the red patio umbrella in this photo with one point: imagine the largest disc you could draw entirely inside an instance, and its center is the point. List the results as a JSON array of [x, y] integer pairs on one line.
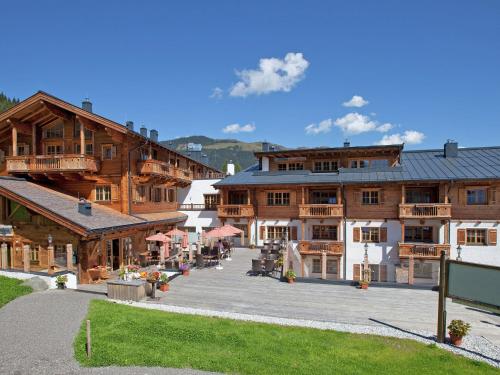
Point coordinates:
[[160, 237], [230, 228]]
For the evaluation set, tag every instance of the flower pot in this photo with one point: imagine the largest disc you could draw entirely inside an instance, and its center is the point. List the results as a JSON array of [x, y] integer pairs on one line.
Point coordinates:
[[290, 280], [185, 273], [61, 286], [164, 287], [455, 340], [363, 286]]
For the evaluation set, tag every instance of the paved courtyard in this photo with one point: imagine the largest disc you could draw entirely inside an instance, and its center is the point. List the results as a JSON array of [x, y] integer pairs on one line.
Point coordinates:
[[231, 289]]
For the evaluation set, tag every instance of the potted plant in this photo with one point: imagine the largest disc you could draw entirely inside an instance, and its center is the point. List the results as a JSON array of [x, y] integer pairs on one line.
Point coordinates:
[[164, 285], [363, 284], [61, 281], [457, 330], [184, 268], [290, 276], [122, 273]]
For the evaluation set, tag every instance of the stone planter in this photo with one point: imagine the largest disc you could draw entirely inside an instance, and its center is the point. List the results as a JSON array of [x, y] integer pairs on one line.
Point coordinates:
[[164, 287], [290, 280]]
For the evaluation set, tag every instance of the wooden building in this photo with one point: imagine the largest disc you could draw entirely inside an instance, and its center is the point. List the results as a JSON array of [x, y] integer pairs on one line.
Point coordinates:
[[404, 207], [65, 153]]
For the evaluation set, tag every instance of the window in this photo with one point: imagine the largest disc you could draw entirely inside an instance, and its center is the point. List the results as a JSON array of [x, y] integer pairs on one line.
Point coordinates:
[[316, 266], [476, 236], [156, 195], [296, 166], [108, 152], [87, 132], [89, 148], [418, 234], [34, 254], [211, 201], [326, 166], [23, 149], [370, 234], [281, 167], [325, 232], [324, 197], [477, 196], [277, 233], [103, 193], [237, 197], [370, 197], [419, 196], [359, 163], [54, 149], [278, 199], [171, 195], [331, 266], [55, 131], [140, 193], [379, 163]]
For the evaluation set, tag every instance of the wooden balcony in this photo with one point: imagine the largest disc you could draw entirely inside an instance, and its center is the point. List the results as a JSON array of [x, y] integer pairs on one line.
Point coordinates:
[[235, 210], [158, 168], [318, 247], [424, 210], [196, 207], [320, 211], [422, 250], [52, 163]]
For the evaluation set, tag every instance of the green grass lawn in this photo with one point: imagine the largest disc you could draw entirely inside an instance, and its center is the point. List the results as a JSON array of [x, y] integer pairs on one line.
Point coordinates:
[[126, 336], [11, 289]]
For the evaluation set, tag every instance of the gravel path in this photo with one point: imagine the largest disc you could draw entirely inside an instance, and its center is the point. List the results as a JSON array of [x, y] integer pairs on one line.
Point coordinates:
[[474, 347], [37, 333]]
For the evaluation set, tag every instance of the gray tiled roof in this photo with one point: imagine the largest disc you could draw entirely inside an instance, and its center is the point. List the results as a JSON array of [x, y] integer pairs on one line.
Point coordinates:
[[481, 163], [66, 206]]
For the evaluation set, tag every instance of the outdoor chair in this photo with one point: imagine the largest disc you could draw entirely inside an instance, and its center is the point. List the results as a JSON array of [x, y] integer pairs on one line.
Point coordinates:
[[256, 266], [275, 252], [268, 266], [267, 242], [272, 256], [276, 247], [200, 262]]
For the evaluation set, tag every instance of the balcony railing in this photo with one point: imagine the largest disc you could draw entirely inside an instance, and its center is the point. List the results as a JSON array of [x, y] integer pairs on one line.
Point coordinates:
[[424, 210], [152, 166], [235, 210], [423, 251], [52, 163], [196, 207], [320, 210], [318, 247]]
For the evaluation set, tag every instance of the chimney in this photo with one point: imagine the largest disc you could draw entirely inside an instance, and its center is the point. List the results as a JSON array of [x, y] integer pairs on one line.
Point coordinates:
[[450, 149], [144, 131], [87, 105], [265, 146], [153, 135], [84, 207], [230, 168], [130, 125], [347, 143]]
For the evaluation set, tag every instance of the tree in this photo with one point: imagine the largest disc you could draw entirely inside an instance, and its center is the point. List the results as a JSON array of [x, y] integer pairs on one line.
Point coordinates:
[[6, 103]]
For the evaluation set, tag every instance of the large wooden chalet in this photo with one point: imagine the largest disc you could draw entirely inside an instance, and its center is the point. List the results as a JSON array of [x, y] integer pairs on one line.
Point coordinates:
[[78, 190]]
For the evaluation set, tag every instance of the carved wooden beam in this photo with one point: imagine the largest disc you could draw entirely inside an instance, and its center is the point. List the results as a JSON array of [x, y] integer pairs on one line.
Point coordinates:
[[21, 127], [56, 111], [87, 124], [32, 114], [43, 119]]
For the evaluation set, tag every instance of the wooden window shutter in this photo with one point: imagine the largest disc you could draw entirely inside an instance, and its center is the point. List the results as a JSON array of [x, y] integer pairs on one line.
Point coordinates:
[[115, 192], [492, 236], [381, 196], [356, 272], [461, 234], [356, 234], [262, 231], [462, 197], [492, 196], [382, 272], [383, 235], [293, 234]]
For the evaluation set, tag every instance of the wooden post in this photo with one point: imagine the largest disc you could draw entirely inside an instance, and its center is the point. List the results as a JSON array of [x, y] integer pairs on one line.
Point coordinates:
[[303, 230], [121, 258], [33, 140], [14, 141], [248, 196], [12, 253], [302, 266], [441, 326], [303, 195], [249, 231], [446, 198], [88, 345], [411, 269], [69, 256], [242, 238], [3, 256], [339, 196], [50, 259], [284, 268], [82, 139], [323, 265], [402, 231], [403, 194], [26, 258]]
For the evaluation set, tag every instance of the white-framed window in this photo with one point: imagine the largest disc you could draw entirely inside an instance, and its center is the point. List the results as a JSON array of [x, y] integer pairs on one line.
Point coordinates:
[[103, 193], [370, 234], [369, 197], [477, 237], [326, 166], [277, 232], [477, 196], [108, 151], [89, 148]]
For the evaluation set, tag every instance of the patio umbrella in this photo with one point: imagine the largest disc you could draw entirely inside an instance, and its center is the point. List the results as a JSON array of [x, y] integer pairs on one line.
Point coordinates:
[[185, 242], [160, 237], [230, 228], [219, 233]]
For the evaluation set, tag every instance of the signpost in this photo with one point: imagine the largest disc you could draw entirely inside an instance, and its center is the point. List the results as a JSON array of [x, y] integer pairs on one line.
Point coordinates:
[[469, 282]]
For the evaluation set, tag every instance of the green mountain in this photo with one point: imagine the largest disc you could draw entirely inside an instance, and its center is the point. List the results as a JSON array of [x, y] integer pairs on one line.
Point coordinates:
[[6, 103], [219, 151]]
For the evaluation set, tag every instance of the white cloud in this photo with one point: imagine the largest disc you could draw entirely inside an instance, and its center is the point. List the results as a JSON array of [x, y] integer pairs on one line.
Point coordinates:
[[356, 123], [356, 101], [217, 93], [410, 137], [273, 75], [323, 127], [237, 128]]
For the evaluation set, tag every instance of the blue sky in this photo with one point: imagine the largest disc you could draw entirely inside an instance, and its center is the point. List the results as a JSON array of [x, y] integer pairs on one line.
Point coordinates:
[[429, 70]]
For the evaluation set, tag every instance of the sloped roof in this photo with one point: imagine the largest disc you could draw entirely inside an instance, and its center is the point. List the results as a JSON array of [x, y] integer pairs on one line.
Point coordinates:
[[65, 207], [480, 163]]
